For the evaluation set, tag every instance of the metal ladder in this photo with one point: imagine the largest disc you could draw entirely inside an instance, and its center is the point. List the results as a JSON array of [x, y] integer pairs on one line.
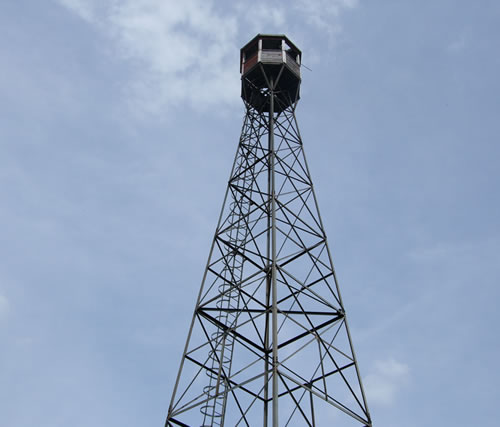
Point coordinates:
[[220, 357]]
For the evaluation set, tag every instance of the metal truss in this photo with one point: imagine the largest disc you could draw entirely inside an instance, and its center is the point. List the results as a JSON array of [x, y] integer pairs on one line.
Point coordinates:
[[269, 342]]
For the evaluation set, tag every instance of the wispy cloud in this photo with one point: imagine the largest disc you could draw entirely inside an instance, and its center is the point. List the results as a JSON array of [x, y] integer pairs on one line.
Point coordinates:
[[185, 52], [383, 385], [83, 8], [323, 14]]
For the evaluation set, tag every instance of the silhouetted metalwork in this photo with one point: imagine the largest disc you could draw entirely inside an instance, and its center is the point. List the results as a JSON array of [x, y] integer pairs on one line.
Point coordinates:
[[269, 342]]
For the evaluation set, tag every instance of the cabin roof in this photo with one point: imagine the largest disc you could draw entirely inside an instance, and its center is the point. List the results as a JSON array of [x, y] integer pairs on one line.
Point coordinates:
[[271, 36]]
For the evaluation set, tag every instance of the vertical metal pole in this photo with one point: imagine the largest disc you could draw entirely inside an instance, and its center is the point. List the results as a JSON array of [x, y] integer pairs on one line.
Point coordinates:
[[268, 297], [312, 407], [273, 258], [266, 364], [268, 294]]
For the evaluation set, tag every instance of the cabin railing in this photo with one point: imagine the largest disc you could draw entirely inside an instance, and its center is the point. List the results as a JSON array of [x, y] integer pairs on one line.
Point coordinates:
[[292, 64], [274, 56], [269, 56]]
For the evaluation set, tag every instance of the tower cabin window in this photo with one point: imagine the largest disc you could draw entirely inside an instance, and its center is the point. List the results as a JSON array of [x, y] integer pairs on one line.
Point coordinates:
[[270, 50], [250, 57], [292, 53], [271, 44], [251, 51]]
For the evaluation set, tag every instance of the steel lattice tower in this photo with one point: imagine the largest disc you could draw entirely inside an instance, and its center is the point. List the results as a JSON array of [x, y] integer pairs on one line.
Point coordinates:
[[269, 342]]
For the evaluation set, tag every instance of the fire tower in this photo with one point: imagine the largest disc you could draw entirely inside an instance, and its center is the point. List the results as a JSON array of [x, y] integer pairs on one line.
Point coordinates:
[[269, 343]]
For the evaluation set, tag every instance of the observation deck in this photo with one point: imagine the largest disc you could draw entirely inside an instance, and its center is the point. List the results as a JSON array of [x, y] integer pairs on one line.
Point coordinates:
[[270, 62]]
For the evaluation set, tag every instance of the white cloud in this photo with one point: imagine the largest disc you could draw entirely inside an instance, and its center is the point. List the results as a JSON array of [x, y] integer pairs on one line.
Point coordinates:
[[83, 8], [186, 52], [323, 15], [264, 18], [383, 385]]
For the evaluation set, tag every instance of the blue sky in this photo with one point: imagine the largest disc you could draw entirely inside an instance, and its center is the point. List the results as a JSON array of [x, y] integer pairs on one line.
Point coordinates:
[[118, 124]]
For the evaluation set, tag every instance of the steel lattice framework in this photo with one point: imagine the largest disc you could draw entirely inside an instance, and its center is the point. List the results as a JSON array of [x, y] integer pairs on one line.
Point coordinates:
[[269, 342]]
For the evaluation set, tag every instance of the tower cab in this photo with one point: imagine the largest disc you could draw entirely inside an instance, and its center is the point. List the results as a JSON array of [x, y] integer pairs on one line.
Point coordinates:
[[270, 63]]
